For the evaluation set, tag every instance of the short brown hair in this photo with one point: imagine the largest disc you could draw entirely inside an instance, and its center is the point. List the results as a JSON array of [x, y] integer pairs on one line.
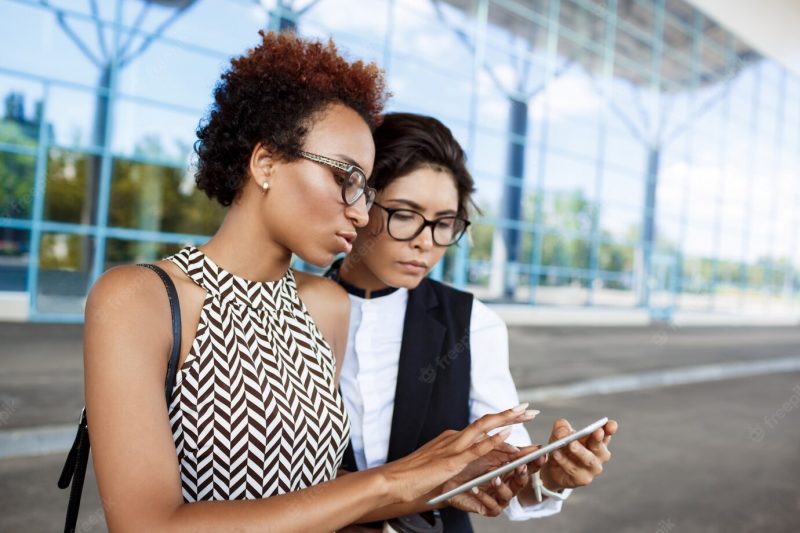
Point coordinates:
[[405, 142]]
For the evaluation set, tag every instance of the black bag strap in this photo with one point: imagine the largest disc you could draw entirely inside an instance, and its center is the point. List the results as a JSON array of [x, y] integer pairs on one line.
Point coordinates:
[[74, 471], [175, 310]]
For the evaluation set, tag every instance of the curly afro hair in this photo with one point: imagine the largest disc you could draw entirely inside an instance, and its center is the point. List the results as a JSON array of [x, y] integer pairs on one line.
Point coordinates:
[[269, 96]]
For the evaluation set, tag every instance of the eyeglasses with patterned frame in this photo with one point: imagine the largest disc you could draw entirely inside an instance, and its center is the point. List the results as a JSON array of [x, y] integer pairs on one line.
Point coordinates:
[[354, 179]]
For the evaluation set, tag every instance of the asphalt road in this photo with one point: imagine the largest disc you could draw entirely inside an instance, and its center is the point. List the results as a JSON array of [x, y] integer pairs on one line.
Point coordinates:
[[707, 457], [41, 365], [717, 457], [712, 457]]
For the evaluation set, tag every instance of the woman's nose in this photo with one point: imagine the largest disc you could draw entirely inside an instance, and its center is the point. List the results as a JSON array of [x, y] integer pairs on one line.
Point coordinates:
[[358, 212]]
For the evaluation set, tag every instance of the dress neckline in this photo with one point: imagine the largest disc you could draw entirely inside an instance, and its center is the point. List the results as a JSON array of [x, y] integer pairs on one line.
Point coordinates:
[[229, 287]]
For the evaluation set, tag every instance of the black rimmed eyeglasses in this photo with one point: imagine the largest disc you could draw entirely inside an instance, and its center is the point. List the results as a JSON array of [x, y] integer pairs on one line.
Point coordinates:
[[406, 224], [353, 179]]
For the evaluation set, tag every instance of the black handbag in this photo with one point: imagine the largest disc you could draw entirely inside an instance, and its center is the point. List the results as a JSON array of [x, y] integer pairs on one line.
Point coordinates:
[[74, 470], [426, 522]]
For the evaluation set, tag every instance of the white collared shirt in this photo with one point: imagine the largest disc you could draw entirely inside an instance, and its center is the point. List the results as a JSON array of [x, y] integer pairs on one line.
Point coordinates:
[[369, 378]]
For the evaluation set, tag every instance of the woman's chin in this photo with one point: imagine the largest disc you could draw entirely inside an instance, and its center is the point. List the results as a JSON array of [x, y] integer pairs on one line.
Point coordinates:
[[404, 280], [320, 259]]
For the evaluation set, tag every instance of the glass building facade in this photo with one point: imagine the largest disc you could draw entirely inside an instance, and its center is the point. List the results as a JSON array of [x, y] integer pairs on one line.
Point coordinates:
[[627, 153]]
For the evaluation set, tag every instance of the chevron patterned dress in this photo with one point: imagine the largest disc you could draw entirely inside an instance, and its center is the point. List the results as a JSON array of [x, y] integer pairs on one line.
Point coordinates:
[[254, 411]]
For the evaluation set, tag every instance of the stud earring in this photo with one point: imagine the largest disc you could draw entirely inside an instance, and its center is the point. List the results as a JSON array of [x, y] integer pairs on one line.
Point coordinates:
[[264, 187]]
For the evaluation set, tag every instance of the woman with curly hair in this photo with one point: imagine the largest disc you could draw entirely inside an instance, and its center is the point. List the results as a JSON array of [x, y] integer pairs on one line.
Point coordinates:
[[251, 435]]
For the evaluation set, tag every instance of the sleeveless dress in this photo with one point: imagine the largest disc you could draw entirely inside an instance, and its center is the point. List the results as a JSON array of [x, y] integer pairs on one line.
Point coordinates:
[[254, 411]]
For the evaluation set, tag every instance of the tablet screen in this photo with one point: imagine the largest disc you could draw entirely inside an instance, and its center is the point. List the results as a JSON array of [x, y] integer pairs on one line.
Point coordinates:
[[525, 459]]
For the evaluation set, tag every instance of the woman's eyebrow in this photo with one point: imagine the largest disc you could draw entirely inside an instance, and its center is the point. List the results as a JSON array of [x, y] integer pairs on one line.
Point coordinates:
[[415, 205], [348, 159]]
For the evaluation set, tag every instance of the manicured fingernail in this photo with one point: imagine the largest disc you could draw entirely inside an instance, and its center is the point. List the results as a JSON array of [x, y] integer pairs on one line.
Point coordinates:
[[475, 490], [532, 412], [574, 446], [505, 433], [557, 454], [524, 468], [496, 482], [514, 448], [521, 407]]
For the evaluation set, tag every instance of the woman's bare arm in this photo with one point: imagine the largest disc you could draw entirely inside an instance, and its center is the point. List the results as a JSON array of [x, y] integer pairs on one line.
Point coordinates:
[[127, 341]]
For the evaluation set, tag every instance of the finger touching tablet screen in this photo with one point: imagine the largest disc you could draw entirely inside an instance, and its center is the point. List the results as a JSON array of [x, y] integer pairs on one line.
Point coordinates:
[[525, 459]]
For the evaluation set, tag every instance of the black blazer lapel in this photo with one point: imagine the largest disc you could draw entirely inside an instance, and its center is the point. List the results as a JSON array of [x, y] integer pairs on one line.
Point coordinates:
[[423, 335]]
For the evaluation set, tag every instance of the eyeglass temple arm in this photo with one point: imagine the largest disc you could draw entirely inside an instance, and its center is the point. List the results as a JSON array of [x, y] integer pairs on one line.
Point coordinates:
[[326, 161]]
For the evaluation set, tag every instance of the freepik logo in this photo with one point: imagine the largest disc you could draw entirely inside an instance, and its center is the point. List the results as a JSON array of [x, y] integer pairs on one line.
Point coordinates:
[[7, 409], [757, 432], [665, 526], [788, 406]]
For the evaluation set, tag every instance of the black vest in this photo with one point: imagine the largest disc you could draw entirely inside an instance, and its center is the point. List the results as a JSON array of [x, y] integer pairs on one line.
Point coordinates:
[[433, 379]]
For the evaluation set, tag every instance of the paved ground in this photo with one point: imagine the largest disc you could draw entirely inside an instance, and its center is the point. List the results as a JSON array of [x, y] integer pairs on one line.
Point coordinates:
[[719, 456], [695, 458], [41, 382]]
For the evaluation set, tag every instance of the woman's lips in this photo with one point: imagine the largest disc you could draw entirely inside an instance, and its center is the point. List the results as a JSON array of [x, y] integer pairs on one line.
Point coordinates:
[[412, 267], [344, 244]]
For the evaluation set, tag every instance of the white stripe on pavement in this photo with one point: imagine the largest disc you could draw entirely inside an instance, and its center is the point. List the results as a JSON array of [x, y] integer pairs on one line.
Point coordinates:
[[660, 378], [36, 441]]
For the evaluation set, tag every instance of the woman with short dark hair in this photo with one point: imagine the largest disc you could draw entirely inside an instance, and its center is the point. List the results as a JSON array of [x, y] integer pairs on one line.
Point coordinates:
[[423, 357]]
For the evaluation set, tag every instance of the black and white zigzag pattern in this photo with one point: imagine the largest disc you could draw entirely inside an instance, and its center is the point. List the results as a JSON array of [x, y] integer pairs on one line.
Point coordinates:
[[254, 410]]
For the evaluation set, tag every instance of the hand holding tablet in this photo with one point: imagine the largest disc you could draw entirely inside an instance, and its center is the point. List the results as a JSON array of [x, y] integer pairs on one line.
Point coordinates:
[[484, 478]]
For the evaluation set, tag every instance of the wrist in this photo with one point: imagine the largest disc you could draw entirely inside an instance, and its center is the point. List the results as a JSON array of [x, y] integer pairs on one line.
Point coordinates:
[[527, 496], [547, 481], [395, 489], [384, 486], [544, 491]]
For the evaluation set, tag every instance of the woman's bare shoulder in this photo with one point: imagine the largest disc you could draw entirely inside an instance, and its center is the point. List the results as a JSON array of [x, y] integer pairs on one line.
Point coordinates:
[[322, 296], [311, 285], [329, 306], [129, 288], [125, 290], [128, 302]]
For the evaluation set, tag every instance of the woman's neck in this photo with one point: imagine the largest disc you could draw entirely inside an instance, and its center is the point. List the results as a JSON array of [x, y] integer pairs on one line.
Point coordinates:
[[356, 273], [246, 249]]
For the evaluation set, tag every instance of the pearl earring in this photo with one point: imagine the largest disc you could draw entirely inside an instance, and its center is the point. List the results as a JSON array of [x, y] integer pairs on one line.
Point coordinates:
[[264, 186]]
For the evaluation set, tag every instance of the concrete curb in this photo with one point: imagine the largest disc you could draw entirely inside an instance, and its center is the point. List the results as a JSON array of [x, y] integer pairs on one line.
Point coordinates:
[[14, 306]]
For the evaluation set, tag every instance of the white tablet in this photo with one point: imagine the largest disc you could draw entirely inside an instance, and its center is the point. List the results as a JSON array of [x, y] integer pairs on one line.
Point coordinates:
[[525, 459]]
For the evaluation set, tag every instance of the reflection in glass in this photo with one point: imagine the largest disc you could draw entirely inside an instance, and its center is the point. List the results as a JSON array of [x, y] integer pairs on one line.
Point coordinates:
[[559, 251], [71, 115], [64, 272], [694, 149], [14, 254], [16, 185], [124, 252], [67, 187], [160, 198]]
